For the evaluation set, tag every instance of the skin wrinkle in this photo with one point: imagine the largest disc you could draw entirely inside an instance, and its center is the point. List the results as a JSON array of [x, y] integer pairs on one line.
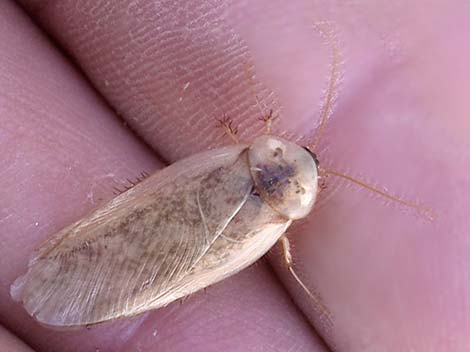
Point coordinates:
[[196, 69]]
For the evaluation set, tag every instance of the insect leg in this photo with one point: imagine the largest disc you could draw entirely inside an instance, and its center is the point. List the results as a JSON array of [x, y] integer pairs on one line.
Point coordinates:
[[268, 120], [287, 258], [227, 125]]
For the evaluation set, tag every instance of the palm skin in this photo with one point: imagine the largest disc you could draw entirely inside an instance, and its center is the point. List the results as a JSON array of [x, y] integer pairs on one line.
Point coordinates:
[[392, 280]]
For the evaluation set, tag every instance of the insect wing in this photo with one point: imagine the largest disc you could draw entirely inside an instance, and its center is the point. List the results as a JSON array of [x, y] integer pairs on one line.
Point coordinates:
[[123, 257], [252, 232]]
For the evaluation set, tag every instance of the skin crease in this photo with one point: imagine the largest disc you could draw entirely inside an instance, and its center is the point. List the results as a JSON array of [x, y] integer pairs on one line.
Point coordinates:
[[393, 281]]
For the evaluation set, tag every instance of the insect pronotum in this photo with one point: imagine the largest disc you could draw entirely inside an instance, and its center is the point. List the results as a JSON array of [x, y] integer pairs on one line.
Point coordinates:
[[184, 228]]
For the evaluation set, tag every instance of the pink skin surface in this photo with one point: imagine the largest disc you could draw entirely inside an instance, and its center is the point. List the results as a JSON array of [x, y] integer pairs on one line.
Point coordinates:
[[393, 280]]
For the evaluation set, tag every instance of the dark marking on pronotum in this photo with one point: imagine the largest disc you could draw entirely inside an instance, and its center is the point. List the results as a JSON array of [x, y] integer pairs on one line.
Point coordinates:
[[274, 177]]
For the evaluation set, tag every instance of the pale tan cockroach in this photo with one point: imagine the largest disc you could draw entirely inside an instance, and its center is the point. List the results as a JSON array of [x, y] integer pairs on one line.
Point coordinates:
[[184, 228]]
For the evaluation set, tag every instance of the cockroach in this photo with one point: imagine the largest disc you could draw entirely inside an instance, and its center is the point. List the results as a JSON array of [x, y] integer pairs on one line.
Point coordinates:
[[188, 226]]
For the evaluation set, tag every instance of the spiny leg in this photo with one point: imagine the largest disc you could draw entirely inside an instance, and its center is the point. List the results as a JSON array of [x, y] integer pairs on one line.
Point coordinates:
[[267, 119], [287, 258], [227, 125]]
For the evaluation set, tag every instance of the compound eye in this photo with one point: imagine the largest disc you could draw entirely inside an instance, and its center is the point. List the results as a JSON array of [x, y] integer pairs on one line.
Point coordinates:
[[313, 155]]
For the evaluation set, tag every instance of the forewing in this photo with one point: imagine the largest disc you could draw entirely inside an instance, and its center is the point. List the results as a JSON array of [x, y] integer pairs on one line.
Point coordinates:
[[126, 255], [251, 233]]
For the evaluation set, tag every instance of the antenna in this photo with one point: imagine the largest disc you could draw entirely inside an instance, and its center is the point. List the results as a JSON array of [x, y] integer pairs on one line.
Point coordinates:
[[326, 30], [427, 212]]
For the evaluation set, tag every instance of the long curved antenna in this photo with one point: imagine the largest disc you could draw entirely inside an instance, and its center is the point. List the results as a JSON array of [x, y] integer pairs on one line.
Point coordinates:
[[268, 119], [427, 212], [327, 31]]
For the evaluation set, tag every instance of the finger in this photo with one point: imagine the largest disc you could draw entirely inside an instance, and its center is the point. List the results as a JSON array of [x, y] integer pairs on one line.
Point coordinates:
[[186, 63], [62, 152], [58, 168], [9, 342], [379, 97], [393, 279]]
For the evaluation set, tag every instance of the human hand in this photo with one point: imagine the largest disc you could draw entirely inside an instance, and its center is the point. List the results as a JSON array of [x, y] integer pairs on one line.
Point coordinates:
[[393, 281]]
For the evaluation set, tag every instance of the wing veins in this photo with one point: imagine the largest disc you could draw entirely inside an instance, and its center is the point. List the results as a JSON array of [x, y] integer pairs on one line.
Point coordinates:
[[220, 230]]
